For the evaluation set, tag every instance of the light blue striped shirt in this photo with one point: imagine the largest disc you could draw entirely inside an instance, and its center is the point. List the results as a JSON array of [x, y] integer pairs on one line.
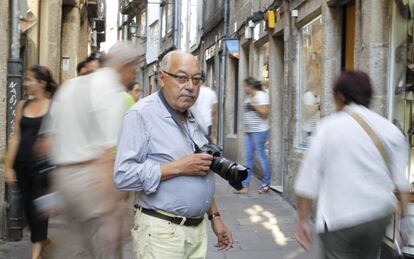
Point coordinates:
[[149, 137]]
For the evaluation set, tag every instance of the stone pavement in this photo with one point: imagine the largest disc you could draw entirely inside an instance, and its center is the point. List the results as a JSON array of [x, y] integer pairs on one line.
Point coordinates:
[[262, 227]]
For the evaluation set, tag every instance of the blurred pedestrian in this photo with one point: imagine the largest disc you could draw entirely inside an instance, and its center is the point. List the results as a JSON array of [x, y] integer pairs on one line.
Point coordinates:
[[205, 109], [156, 158], [256, 128], [135, 91], [94, 61], [40, 86], [131, 94], [84, 127], [356, 160], [81, 68], [90, 64]]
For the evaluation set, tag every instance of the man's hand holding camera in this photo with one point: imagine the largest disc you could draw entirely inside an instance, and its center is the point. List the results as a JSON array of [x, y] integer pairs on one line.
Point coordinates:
[[192, 165]]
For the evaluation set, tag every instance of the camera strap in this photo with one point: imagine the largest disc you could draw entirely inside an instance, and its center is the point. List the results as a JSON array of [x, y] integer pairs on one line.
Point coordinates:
[[177, 119]]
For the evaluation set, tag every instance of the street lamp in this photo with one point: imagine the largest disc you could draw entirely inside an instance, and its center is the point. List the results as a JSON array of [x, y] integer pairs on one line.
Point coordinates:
[[133, 27], [133, 30]]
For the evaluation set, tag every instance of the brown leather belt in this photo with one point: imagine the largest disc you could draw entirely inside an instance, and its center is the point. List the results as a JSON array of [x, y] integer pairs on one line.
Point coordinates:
[[189, 222]]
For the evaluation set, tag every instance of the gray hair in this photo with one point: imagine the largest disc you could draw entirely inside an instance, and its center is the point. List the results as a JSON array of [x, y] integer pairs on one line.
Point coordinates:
[[165, 63], [121, 53]]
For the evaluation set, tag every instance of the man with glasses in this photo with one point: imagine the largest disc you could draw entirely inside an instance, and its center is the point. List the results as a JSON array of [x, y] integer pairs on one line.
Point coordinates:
[[156, 158]]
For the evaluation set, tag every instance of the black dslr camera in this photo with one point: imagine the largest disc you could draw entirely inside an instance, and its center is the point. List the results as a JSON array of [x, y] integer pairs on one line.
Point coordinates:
[[232, 172]]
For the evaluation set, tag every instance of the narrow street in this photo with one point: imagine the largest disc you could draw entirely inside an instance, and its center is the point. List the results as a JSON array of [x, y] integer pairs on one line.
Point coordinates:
[[262, 227]]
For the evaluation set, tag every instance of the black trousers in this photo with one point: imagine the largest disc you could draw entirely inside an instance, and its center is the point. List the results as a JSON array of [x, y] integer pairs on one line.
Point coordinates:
[[31, 189], [358, 242]]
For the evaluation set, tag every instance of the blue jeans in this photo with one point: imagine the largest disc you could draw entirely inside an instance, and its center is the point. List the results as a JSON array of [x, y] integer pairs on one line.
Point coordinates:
[[255, 141]]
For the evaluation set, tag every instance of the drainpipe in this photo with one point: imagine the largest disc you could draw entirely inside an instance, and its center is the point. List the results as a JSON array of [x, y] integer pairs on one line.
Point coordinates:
[[14, 210], [224, 75]]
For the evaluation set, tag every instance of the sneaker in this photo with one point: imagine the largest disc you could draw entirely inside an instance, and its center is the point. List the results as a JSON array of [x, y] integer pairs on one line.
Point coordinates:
[[245, 190], [263, 189]]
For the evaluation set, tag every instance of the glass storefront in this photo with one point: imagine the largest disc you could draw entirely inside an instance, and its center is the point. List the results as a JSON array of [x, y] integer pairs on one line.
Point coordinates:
[[401, 91], [401, 94], [309, 80]]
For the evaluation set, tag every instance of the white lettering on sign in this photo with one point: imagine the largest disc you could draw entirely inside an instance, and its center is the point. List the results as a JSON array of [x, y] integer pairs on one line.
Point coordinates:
[[12, 103], [210, 52]]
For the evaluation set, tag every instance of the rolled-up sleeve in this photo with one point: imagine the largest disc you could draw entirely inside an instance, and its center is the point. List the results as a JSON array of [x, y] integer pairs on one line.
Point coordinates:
[[133, 170], [307, 181]]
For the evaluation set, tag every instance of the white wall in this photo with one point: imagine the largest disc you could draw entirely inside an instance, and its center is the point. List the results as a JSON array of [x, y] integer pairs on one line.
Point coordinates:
[[111, 25]]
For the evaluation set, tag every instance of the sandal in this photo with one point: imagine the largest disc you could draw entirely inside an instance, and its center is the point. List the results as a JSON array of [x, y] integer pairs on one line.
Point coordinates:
[[263, 189]]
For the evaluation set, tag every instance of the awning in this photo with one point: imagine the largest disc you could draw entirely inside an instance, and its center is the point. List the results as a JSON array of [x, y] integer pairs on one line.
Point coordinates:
[[233, 46]]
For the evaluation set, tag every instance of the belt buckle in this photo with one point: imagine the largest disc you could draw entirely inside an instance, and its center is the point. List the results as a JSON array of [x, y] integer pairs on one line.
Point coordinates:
[[184, 219]]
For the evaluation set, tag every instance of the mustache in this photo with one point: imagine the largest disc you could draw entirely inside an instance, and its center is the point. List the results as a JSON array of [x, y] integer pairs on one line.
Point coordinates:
[[186, 93]]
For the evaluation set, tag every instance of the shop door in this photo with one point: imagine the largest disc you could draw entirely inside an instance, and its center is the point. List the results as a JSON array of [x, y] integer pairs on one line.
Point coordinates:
[[348, 36]]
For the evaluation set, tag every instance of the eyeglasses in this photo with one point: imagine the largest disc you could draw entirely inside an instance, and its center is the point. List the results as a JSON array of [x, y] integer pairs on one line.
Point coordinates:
[[182, 79]]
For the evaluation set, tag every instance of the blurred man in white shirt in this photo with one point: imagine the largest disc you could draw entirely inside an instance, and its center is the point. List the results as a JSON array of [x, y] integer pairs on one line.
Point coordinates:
[[205, 109], [84, 123]]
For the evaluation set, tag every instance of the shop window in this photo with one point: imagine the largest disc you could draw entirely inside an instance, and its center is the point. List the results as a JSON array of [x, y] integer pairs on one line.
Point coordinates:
[[401, 90], [309, 80]]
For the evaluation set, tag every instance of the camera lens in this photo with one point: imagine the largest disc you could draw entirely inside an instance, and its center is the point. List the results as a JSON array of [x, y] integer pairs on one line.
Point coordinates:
[[234, 173]]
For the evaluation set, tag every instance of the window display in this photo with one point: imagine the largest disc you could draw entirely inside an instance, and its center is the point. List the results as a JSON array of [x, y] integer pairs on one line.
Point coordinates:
[[310, 80], [402, 77]]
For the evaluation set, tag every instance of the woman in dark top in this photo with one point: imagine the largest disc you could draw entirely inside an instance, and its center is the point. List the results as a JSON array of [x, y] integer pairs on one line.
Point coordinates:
[[20, 160]]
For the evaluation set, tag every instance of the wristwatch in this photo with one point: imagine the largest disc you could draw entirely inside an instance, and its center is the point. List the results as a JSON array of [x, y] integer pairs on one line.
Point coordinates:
[[213, 215]]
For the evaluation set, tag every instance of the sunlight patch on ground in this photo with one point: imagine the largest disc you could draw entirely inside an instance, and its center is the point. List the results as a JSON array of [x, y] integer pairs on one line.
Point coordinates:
[[295, 254], [266, 219]]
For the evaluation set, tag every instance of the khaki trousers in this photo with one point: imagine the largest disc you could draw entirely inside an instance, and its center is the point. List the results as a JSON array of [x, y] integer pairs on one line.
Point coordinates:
[[95, 213], [155, 238]]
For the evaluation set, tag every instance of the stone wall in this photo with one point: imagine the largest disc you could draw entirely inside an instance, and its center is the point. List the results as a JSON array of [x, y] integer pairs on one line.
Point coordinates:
[[4, 54], [50, 35]]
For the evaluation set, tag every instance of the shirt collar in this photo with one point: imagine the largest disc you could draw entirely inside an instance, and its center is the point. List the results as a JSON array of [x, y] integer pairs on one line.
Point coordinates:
[[353, 107], [166, 114]]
